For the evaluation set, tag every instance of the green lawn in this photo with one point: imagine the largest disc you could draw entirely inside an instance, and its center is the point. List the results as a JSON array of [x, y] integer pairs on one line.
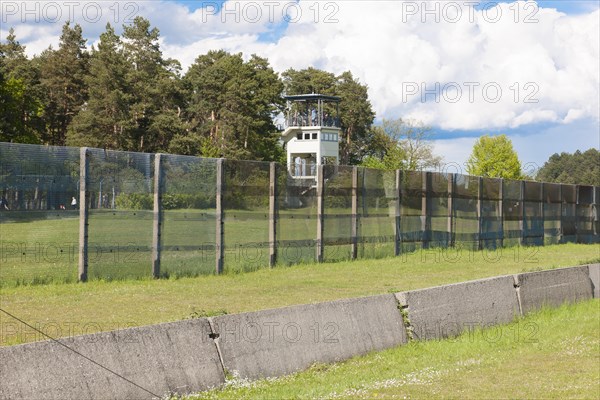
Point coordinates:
[[550, 354], [42, 247], [64, 309]]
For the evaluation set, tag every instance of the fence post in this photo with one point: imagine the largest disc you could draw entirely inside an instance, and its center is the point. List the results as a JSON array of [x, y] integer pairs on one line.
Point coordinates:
[[157, 222], [83, 214], [219, 250], [398, 207], [320, 184], [273, 214], [450, 227], [480, 213], [501, 211], [426, 209], [522, 223], [354, 233]]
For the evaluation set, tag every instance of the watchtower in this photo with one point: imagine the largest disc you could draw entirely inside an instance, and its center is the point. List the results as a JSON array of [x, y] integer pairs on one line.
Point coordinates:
[[312, 132]]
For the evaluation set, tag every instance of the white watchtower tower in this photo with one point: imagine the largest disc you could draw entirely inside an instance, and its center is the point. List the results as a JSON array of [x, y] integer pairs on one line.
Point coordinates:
[[312, 132]]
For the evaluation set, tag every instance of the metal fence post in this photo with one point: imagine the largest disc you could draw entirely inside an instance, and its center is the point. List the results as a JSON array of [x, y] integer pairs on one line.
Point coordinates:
[[219, 245], [273, 214], [157, 217], [83, 214], [354, 233], [398, 209], [320, 184]]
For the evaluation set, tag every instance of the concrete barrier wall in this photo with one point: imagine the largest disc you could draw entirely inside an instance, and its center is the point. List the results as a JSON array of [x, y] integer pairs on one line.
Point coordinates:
[[554, 287], [281, 341], [195, 355], [595, 278], [160, 359], [446, 311]]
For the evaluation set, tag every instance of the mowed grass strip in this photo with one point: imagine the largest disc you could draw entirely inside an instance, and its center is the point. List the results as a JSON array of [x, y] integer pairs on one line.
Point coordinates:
[[550, 354], [78, 308]]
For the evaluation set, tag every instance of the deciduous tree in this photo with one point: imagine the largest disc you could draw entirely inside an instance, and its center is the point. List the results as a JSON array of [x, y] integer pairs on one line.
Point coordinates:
[[494, 157], [402, 144], [21, 100]]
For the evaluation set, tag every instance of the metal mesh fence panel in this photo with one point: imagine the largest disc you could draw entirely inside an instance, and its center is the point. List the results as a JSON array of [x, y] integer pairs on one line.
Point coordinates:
[[512, 212], [438, 211], [120, 186], [40, 214], [595, 216], [377, 213], [337, 219], [39, 228], [491, 220], [411, 219], [533, 221], [569, 213], [466, 222], [297, 220], [188, 197], [585, 224], [246, 215], [552, 207]]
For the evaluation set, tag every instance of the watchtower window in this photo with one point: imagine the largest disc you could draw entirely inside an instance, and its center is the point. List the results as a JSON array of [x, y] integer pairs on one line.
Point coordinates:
[[307, 136], [299, 136], [314, 135]]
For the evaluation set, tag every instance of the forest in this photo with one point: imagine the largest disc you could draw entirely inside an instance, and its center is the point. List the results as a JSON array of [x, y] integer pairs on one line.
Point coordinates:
[[123, 94]]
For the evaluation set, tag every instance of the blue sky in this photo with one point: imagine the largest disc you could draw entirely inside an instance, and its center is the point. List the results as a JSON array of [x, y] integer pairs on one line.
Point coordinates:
[[526, 69]]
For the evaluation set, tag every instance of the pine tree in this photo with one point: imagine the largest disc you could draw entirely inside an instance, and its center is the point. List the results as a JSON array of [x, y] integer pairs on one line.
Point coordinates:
[[356, 118], [63, 73], [105, 120], [157, 96], [582, 168], [231, 107]]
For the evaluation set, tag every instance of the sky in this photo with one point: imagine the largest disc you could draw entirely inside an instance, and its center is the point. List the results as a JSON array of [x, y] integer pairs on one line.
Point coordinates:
[[530, 70]]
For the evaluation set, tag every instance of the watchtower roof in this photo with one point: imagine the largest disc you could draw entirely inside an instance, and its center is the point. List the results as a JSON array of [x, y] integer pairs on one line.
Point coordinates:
[[313, 97]]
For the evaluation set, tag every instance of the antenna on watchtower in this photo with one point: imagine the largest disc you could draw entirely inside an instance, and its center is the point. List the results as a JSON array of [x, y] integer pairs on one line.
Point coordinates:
[[312, 131]]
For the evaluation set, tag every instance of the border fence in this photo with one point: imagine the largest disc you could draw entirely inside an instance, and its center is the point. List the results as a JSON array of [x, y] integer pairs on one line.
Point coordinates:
[[71, 214]]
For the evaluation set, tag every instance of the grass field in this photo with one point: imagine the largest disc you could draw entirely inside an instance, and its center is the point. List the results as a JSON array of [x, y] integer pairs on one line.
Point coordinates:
[[40, 247], [550, 354], [74, 308]]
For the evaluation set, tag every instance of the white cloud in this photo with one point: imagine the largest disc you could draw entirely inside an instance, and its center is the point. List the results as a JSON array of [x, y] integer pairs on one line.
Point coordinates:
[[509, 74]]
